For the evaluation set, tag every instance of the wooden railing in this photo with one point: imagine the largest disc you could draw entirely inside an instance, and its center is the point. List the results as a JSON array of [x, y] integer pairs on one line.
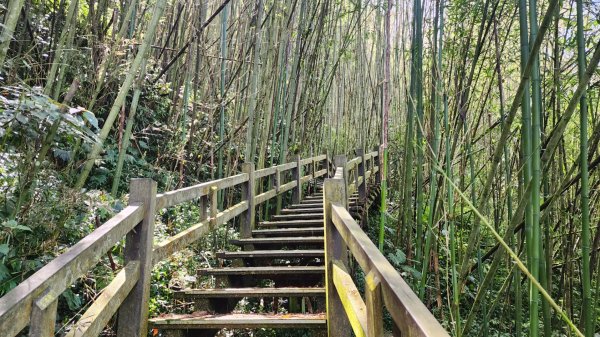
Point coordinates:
[[34, 301], [346, 309]]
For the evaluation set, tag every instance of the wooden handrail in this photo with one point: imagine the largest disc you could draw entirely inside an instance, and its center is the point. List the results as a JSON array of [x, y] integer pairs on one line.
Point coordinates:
[[34, 301], [384, 285], [43, 288]]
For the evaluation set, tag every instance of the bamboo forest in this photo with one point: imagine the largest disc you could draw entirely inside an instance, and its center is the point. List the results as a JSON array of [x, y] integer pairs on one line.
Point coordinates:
[[299, 168]]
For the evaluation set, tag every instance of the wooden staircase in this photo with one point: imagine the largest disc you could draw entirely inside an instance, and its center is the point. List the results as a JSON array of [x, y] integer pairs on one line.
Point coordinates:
[[279, 269], [290, 272]]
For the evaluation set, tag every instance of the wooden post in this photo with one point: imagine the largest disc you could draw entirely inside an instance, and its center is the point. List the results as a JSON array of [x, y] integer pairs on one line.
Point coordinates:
[[362, 188], [374, 304], [43, 316], [334, 192], [314, 168], [340, 161], [202, 205], [214, 203], [377, 163], [133, 314], [297, 174], [248, 217]]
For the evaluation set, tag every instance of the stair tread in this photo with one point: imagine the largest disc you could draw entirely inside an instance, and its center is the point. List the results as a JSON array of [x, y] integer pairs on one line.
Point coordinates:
[[273, 253], [282, 239], [291, 223], [251, 292], [263, 270], [307, 206], [299, 210], [238, 321], [301, 230], [304, 216]]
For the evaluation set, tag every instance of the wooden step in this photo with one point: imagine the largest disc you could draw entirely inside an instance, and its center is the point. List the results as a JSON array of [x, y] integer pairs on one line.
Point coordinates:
[[307, 206], [299, 240], [250, 292], [239, 321], [301, 210], [311, 202], [304, 216], [304, 231], [291, 223], [271, 270], [313, 197], [281, 254]]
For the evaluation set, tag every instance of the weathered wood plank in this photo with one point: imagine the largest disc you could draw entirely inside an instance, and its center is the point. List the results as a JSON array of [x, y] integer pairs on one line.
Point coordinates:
[[58, 274], [271, 270], [289, 231], [43, 316], [297, 176], [179, 196], [295, 240], [355, 308], [94, 319], [334, 191], [353, 162], [177, 242], [320, 173], [291, 223], [286, 187], [306, 178], [247, 221], [259, 199], [249, 292], [283, 254], [240, 321], [407, 311], [133, 312], [362, 186], [374, 304], [306, 161], [265, 172]]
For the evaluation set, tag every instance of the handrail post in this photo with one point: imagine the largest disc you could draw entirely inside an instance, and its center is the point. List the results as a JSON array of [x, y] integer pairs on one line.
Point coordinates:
[[340, 161], [374, 303], [362, 188], [377, 163], [314, 169], [202, 204], [248, 218], [297, 174], [133, 314], [43, 315], [334, 192], [214, 210]]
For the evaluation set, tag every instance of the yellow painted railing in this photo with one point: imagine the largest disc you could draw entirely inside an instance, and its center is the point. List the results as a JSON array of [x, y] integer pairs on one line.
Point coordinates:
[[346, 310]]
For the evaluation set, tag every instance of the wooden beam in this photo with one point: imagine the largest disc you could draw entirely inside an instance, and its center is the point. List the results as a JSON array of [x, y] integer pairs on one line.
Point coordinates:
[[334, 193], [95, 319], [177, 242], [182, 195], [247, 222], [297, 175], [43, 316], [354, 306], [133, 314], [374, 304]]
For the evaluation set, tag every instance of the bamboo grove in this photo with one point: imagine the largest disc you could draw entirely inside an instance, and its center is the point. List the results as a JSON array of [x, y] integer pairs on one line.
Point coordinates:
[[487, 113]]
